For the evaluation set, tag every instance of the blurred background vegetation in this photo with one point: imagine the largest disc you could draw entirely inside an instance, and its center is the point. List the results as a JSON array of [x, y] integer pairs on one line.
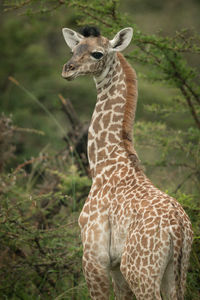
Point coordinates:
[[44, 178]]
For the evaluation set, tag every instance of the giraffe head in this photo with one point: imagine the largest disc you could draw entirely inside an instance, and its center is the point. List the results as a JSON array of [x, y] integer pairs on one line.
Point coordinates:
[[91, 52]]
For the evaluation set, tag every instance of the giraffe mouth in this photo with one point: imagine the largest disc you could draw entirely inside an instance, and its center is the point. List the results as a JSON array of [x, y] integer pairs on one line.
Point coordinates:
[[72, 74], [69, 76]]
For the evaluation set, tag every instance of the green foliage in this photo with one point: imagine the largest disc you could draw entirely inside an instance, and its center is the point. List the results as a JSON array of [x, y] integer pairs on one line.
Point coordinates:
[[40, 239], [74, 184], [164, 54]]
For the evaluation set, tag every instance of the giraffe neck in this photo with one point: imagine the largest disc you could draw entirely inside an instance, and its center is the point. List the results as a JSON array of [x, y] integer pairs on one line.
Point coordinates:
[[110, 131]]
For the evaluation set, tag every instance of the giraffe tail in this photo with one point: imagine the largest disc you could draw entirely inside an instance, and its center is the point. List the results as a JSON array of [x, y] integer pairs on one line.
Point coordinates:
[[183, 262]]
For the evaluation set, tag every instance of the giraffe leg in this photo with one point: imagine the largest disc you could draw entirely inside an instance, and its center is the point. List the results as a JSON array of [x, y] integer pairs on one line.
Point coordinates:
[[144, 288], [145, 259], [120, 286], [96, 259], [97, 278], [168, 285]]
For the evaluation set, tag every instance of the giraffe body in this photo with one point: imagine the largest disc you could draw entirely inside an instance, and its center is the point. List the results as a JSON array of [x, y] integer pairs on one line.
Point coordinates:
[[129, 228]]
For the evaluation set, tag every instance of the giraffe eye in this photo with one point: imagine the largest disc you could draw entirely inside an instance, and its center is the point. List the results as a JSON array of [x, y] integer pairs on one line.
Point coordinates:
[[97, 55]]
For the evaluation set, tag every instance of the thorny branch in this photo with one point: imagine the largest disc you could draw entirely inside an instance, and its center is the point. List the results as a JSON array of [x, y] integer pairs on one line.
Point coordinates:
[[191, 106], [182, 80], [87, 11], [184, 181], [185, 88], [19, 5]]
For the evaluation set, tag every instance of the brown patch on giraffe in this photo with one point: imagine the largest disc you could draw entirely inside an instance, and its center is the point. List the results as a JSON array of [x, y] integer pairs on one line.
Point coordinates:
[[103, 136], [160, 211], [91, 152], [95, 192], [144, 271], [122, 159], [117, 100], [118, 108], [149, 220], [110, 162], [157, 247], [110, 172], [93, 203], [105, 190], [93, 216], [111, 148], [129, 196], [114, 127], [116, 118], [104, 289], [145, 203], [108, 105], [90, 136], [106, 119], [155, 201], [138, 195], [138, 248], [112, 90], [121, 87], [150, 232], [177, 234], [99, 107], [112, 139], [98, 182], [173, 222], [101, 155], [96, 124], [120, 189], [86, 209], [151, 244], [89, 266], [145, 261], [144, 241], [114, 180], [103, 97], [83, 220], [89, 239]]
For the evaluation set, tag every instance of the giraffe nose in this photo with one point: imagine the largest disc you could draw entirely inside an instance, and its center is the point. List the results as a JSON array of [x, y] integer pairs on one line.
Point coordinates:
[[69, 67]]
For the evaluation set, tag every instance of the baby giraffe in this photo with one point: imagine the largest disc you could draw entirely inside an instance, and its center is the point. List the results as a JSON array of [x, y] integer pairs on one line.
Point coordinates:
[[130, 230]]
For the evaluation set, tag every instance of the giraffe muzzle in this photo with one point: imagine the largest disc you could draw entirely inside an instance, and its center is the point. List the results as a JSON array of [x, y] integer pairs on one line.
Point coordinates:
[[69, 67], [69, 71]]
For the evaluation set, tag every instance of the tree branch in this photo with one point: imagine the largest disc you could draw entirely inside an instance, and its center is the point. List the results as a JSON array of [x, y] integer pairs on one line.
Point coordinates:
[[191, 106], [185, 179], [100, 20]]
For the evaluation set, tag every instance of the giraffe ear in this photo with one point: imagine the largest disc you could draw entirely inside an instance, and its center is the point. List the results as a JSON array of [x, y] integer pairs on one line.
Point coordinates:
[[72, 38], [122, 39]]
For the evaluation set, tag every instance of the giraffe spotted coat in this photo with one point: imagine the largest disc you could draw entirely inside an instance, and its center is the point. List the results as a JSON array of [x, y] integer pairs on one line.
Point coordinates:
[[130, 229]]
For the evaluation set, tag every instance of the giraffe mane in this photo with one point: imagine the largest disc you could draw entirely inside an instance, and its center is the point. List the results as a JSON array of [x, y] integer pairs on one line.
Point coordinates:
[[130, 106]]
